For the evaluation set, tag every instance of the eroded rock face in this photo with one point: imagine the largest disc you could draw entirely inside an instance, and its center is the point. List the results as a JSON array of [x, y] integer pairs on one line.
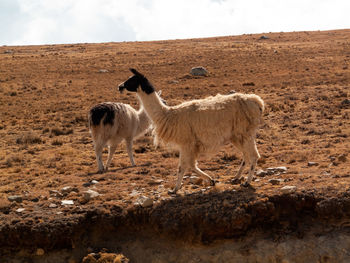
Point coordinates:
[[196, 218]]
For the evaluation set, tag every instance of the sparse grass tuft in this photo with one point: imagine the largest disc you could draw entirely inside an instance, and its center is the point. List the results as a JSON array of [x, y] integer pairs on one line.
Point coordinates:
[[58, 131], [57, 143], [17, 159], [29, 138]]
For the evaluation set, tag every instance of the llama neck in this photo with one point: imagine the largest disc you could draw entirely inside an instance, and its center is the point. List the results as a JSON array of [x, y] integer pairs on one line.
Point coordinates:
[[153, 105], [144, 121]]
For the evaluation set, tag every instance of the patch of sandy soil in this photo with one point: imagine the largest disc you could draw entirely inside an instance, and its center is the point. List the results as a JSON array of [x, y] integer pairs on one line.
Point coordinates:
[[47, 154]]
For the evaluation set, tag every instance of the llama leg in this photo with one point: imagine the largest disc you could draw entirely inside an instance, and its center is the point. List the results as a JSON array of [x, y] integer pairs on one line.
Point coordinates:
[[204, 175], [186, 159], [237, 179], [180, 174], [129, 149], [98, 152], [111, 151], [253, 155]]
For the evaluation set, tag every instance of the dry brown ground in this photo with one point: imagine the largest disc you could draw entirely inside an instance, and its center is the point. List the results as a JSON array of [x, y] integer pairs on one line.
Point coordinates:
[[46, 92]]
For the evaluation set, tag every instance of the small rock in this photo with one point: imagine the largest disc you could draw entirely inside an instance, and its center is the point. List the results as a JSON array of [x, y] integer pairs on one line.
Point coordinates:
[[94, 182], [275, 181], [87, 184], [15, 198], [312, 164], [40, 252], [67, 202], [232, 92], [144, 201], [35, 199], [288, 189], [55, 193], [134, 193], [52, 205], [90, 194], [280, 169], [264, 37], [199, 71], [155, 182], [67, 189], [9, 51], [103, 71], [20, 210], [196, 180], [261, 173]]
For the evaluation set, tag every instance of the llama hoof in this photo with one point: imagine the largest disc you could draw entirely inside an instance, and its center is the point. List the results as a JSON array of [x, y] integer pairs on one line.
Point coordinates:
[[236, 181], [100, 171], [212, 182], [172, 192], [247, 185]]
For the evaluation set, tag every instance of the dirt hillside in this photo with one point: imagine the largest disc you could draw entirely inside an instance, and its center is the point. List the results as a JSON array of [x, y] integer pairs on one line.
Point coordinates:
[[47, 159]]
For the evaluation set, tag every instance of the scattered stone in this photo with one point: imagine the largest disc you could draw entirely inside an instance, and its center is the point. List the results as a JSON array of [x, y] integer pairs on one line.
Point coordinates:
[[9, 51], [261, 173], [155, 182], [105, 257], [144, 201], [199, 71], [280, 169], [196, 180], [173, 82], [103, 71], [271, 171], [67, 189], [88, 195], [134, 193], [246, 84], [232, 92], [35, 199], [52, 205], [67, 202], [264, 37], [15, 198], [275, 181], [20, 210], [40, 252], [94, 182], [312, 164], [288, 189], [55, 193]]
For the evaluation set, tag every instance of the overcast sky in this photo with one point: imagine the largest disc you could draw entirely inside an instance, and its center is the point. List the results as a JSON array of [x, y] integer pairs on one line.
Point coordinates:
[[27, 22]]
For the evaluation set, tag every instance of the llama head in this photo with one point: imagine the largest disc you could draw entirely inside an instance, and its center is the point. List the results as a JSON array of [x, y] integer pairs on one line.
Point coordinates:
[[134, 82]]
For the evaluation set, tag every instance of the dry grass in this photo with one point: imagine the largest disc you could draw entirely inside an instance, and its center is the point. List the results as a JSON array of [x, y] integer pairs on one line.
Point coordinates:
[[45, 141]]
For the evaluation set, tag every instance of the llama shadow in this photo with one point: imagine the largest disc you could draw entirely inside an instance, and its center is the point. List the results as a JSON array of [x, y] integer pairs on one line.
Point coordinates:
[[119, 169]]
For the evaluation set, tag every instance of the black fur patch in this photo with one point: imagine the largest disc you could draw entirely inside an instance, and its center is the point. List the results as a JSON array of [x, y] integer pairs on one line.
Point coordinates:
[[135, 81], [98, 111]]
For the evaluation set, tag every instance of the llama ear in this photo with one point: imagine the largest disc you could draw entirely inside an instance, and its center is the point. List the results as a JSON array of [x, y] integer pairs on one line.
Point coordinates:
[[135, 72]]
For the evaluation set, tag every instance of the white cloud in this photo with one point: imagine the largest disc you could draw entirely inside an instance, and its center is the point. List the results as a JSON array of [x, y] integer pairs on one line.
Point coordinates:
[[72, 21]]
